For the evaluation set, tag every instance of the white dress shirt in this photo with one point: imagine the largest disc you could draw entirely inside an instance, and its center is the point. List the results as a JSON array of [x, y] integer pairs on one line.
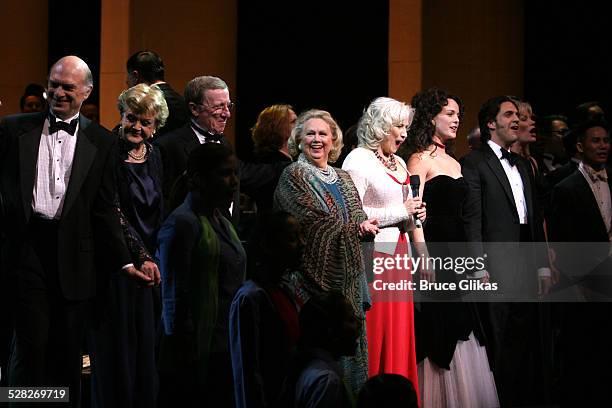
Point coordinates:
[[601, 192], [53, 168], [516, 183]]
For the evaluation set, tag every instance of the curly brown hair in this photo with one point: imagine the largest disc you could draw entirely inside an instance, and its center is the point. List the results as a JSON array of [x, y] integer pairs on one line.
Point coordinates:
[[428, 104]]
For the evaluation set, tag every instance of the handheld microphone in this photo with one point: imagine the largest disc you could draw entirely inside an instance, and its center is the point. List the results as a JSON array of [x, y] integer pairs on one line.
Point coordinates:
[[415, 185]]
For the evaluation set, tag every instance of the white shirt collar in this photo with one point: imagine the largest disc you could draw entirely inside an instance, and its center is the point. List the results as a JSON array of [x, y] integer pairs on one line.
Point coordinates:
[[496, 148], [65, 120]]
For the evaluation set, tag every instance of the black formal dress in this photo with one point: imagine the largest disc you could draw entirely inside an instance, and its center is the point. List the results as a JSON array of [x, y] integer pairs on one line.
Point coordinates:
[[122, 348], [453, 365]]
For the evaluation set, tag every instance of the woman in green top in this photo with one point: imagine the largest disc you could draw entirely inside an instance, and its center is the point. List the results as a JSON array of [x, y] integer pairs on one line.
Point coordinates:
[[202, 263]]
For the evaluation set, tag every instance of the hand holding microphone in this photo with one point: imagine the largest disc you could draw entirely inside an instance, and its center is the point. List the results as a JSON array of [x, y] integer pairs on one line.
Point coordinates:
[[414, 205]]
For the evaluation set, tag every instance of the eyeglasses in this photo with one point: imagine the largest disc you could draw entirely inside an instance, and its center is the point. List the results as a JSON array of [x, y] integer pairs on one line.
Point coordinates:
[[217, 109]]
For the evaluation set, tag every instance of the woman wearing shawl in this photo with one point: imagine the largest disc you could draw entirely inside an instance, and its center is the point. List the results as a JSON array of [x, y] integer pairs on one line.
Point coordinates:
[[327, 205]]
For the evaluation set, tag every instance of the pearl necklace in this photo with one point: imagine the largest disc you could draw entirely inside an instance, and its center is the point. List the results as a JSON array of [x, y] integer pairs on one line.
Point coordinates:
[[328, 176], [138, 157], [391, 164]]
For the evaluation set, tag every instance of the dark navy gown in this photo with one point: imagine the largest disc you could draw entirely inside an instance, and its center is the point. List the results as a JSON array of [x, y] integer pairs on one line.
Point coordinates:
[[122, 348]]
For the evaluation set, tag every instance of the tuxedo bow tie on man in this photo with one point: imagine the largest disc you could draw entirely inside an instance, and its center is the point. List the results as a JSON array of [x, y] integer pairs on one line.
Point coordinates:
[[510, 156], [597, 175], [208, 99], [57, 125], [502, 225], [58, 190]]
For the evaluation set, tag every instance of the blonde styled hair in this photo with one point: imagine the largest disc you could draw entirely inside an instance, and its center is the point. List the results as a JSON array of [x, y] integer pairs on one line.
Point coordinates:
[[298, 133], [143, 99]]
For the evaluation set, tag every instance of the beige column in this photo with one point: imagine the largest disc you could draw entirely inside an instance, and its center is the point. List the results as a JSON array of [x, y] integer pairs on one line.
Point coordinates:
[[114, 52], [405, 39], [23, 29]]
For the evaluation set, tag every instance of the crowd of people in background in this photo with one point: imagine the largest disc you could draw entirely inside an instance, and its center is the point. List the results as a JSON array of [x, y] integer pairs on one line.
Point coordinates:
[[189, 275]]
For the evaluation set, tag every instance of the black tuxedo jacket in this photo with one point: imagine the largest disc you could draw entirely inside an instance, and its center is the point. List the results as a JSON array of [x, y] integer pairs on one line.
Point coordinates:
[[175, 148], [490, 214], [178, 112], [575, 215], [88, 223], [575, 219], [490, 211]]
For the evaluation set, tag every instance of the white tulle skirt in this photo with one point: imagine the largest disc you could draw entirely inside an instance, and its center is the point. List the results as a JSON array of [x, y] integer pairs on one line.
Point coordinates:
[[468, 384]]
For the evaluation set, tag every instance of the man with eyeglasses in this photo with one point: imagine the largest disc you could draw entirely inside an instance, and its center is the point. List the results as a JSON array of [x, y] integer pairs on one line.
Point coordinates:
[[208, 101]]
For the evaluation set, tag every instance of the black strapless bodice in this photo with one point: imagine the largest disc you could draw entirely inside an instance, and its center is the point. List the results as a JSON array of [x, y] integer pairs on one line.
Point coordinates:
[[444, 196], [440, 325]]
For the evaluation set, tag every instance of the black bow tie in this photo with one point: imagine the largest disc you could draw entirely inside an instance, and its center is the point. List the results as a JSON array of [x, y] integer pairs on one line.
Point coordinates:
[[510, 156], [209, 137], [57, 125], [212, 138]]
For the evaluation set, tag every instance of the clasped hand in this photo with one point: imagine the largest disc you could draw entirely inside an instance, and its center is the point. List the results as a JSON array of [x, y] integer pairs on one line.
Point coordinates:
[[148, 274], [368, 227]]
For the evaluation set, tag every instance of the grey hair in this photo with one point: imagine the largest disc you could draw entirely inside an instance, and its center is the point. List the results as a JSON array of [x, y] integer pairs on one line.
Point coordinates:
[[195, 89], [298, 132], [377, 120]]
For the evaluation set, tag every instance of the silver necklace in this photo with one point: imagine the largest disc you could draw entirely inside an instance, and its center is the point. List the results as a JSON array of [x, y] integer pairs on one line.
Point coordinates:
[[328, 176]]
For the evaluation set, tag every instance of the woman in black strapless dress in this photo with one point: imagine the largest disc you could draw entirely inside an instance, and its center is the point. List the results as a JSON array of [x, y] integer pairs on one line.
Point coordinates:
[[453, 366]]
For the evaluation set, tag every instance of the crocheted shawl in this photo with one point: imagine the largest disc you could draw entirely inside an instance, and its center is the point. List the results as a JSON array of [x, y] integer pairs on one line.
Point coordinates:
[[330, 219]]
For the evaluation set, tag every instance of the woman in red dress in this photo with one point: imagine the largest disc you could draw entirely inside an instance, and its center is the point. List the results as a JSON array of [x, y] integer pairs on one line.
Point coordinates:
[[382, 181]]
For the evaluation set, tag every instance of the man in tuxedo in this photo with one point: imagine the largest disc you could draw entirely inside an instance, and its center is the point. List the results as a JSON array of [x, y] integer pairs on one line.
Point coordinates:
[[57, 186], [208, 100], [586, 190], [580, 228], [147, 67], [500, 219]]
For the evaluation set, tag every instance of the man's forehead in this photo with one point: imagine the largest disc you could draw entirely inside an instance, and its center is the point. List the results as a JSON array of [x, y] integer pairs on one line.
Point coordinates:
[[65, 75], [507, 107], [216, 94], [596, 131]]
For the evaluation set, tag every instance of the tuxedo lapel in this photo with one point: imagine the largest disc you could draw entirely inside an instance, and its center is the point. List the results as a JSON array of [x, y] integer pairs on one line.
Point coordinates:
[[191, 141], [28, 157], [495, 164], [84, 155], [525, 177], [591, 208]]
